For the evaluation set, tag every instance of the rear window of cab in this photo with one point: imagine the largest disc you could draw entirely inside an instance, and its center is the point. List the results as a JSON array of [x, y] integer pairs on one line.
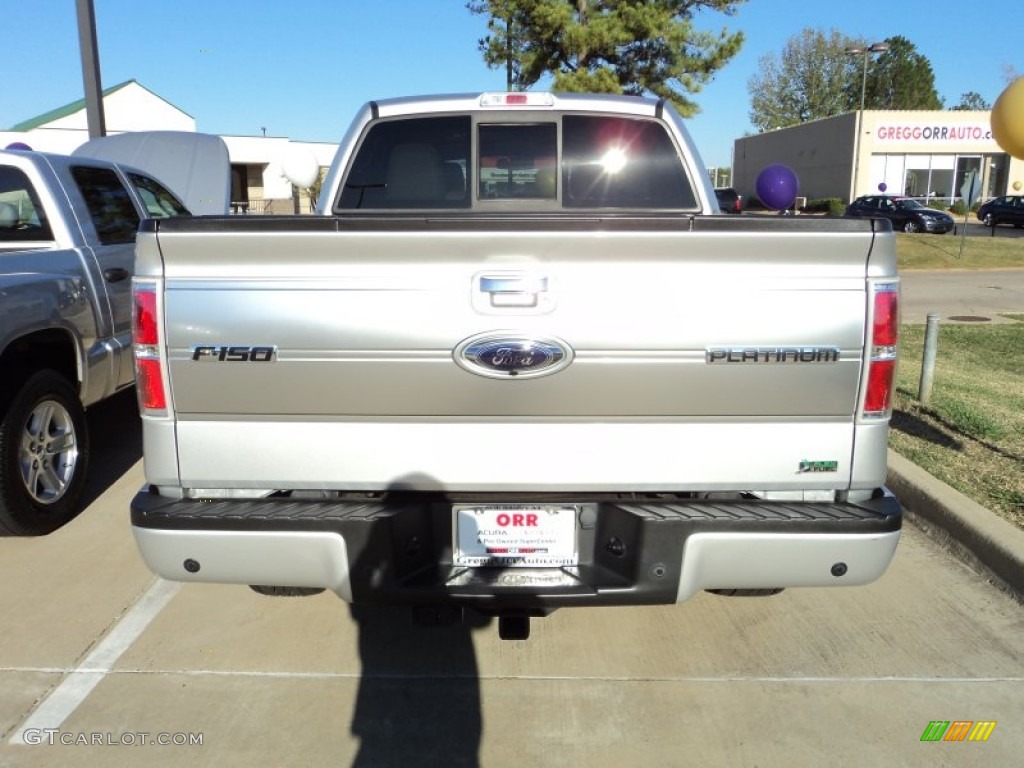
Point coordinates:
[[452, 162]]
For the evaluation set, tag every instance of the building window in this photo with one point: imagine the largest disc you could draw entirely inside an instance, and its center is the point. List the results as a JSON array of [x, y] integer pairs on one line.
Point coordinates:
[[930, 177], [239, 184], [940, 181], [998, 169]]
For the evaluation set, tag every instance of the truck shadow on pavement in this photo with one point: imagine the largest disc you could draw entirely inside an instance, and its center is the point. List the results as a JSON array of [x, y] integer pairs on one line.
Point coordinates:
[[115, 436], [418, 702]]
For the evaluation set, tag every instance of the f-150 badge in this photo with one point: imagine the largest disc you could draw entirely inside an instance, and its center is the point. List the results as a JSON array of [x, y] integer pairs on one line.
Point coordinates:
[[226, 354], [504, 355]]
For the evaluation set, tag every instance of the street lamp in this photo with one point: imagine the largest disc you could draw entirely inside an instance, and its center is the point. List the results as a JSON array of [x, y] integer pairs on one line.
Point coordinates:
[[867, 52], [94, 115]]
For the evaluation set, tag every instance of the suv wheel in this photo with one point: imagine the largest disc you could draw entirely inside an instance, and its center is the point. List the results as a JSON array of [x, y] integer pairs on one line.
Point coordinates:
[[44, 452]]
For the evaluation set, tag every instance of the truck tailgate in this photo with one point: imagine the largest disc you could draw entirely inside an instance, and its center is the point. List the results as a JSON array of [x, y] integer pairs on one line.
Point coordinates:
[[327, 349]]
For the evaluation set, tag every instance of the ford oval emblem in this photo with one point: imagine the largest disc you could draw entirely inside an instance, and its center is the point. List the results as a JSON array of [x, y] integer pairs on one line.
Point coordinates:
[[504, 355]]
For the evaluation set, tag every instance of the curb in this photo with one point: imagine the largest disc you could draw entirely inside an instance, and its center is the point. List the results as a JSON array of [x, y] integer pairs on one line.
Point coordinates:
[[974, 533]]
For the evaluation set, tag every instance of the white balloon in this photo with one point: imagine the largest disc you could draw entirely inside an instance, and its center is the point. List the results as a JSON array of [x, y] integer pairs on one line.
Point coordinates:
[[300, 167]]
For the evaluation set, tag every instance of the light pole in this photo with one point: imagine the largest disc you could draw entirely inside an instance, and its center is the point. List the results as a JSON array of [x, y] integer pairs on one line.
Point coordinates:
[[866, 53], [91, 68]]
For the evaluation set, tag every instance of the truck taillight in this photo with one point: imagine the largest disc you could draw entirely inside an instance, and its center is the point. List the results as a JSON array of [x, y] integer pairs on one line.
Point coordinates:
[[144, 330], [882, 347], [150, 384], [149, 380]]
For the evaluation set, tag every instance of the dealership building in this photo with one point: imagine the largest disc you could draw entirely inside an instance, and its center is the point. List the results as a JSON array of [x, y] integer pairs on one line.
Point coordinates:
[[923, 154], [258, 182]]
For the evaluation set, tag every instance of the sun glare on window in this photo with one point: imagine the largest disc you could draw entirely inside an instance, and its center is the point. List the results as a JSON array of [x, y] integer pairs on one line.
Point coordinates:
[[614, 160]]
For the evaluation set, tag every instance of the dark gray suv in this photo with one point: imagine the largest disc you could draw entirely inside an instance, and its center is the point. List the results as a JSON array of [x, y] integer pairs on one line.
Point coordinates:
[[905, 213], [729, 200], [1008, 209]]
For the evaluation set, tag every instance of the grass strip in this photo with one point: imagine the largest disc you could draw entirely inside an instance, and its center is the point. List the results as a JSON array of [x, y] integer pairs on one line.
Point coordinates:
[[971, 433], [1003, 251]]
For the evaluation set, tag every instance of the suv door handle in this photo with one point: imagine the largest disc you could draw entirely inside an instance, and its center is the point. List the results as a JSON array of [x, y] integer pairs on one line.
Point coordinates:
[[116, 274]]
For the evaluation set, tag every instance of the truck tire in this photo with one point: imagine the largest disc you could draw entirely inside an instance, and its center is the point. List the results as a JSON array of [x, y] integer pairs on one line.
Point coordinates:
[[44, 455]]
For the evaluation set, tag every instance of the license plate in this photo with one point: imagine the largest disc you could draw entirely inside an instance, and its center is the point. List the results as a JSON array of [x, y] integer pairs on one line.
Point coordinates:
[[515, 535]]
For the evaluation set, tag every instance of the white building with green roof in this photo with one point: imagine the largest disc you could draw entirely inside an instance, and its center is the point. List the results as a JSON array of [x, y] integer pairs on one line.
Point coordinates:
[[258, 184], [128, 106]]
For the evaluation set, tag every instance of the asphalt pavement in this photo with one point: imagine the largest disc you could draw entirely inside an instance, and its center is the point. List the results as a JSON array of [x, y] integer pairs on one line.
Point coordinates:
[[962, 295], [976, 229]]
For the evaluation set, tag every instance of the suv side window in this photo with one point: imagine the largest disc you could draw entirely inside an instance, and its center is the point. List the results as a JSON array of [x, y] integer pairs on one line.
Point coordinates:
[[617, 162], [110, 206], [412, 164], [22, 218]]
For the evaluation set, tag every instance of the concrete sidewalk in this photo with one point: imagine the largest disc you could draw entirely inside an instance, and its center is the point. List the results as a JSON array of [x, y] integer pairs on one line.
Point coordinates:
[[974, 533], [981, 295]]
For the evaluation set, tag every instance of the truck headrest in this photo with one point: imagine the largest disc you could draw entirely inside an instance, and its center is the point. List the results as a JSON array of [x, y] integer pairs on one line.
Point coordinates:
[[8, 216]]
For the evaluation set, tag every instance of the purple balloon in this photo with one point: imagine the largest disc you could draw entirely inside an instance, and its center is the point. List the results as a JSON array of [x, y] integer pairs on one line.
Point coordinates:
[[19, 145], [777, 186], [882, 187]]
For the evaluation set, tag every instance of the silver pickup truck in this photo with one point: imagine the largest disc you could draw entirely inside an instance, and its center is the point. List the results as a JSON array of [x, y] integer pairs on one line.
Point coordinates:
[[67, 249], [518, 362]]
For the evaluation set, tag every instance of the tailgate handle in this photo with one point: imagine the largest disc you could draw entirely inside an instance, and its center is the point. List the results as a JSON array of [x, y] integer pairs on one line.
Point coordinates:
[[514, 290]]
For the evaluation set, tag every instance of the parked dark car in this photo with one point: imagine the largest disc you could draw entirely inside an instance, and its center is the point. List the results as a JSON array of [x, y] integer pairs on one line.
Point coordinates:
[[729, 200], [1008, 209], [904, 212]]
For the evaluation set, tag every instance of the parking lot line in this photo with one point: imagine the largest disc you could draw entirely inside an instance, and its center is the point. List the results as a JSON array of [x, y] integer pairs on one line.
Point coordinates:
[[73, 690], [702, 679]]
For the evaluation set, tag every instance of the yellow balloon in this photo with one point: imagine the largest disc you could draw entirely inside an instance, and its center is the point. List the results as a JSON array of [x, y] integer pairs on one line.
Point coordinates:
[[1008, 119]]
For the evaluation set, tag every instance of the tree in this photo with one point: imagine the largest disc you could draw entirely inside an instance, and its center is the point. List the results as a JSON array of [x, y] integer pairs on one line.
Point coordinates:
[[608, 46], [901, 78], [971, 100], [812, 78]]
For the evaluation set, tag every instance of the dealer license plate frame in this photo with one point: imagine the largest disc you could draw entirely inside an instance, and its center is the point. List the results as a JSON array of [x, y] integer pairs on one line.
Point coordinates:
[[515, 535]]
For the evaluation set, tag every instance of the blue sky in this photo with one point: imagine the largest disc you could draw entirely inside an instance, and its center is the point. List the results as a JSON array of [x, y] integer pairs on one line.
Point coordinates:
[[301, 69]]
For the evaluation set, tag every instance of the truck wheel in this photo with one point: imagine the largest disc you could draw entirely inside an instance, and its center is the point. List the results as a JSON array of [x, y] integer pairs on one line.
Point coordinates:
[[44, 453]]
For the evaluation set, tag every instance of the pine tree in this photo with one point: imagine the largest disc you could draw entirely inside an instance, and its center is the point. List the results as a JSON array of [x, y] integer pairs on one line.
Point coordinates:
[[608, 46]]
